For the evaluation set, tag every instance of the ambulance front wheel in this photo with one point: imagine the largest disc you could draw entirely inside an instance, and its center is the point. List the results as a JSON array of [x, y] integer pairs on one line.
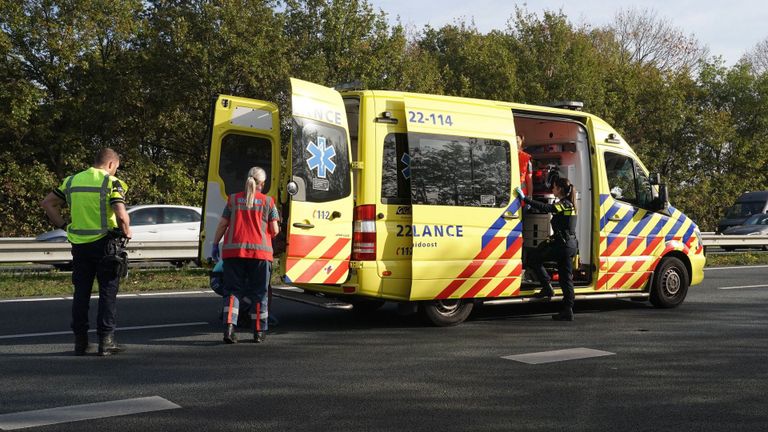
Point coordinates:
[[445, 313], [670, 283]]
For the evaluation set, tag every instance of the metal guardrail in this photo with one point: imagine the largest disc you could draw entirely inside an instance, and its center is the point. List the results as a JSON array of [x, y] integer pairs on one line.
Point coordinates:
[[711, 239], [14, 250]]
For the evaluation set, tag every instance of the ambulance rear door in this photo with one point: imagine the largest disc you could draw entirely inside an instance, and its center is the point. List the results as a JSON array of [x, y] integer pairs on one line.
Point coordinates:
[[466, 229], [244, 133], [320, 187]]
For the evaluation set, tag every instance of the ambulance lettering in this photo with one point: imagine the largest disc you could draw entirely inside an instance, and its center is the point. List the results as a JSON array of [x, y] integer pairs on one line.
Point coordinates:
[[430, 118], [430, 230], [314, 110]]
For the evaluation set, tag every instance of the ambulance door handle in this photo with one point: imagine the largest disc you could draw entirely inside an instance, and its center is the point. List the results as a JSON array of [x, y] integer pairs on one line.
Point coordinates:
[[335, 215], [303, 225], [509, 215], [615, 218]]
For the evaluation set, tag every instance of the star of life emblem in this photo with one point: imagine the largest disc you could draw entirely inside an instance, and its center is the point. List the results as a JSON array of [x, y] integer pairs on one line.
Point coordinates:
[[322, 157]]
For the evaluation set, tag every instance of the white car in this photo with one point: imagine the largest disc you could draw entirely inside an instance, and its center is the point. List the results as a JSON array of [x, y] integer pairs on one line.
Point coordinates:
[[153, 222]]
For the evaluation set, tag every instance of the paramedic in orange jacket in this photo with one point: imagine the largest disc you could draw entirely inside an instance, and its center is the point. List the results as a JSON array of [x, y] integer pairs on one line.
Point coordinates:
[[248, 223], [526, 169]]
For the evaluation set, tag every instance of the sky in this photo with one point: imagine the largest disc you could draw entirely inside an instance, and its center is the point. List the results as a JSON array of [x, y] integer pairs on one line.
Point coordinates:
[[729, 28]]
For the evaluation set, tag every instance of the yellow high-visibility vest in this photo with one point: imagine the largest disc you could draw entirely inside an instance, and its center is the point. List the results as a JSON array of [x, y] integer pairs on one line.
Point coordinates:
[[90, 194]]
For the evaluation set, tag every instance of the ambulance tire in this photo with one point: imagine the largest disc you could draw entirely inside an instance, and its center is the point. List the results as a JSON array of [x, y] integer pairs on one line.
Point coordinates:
[[446, 313], [670, 284]]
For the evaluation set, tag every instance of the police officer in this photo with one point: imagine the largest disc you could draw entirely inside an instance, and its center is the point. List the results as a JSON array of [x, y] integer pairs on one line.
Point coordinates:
[[250, 220], [97, 202], [561, 248]]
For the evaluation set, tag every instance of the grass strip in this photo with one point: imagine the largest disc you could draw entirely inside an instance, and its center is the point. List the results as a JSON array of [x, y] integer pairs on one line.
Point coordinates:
[[737, 259], [57, 283]]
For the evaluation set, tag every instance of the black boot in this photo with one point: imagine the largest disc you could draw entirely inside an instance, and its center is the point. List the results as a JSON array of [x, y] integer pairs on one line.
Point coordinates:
[[81, 344], [108, 346], [230, 336], [546, 291], [259, 336], [564, 315]]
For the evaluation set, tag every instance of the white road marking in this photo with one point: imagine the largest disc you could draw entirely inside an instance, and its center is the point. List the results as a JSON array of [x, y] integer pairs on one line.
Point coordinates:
[[59, 333], [735, 268], [147, 294], [743, 286], [51, 416], [96, 296], [557, 355]]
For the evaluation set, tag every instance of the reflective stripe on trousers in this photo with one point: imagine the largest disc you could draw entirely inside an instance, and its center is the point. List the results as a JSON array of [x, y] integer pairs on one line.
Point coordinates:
[[231, 309]]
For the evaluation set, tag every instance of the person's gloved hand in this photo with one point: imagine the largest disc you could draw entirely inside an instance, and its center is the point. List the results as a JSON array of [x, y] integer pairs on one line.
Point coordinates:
[[215, 252], [520, 193]]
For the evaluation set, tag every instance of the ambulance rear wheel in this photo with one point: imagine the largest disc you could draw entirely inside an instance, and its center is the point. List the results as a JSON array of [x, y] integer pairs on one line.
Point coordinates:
[[670, 283], [445, 313]]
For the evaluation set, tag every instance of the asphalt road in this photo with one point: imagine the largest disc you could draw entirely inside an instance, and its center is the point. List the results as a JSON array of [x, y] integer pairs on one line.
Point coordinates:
[[700, 367]]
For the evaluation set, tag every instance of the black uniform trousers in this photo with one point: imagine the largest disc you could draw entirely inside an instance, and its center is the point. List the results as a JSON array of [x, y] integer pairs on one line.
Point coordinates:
[[562, 255], [87, 266]]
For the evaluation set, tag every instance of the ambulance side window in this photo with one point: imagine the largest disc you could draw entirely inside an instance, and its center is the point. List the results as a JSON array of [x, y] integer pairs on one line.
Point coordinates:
[[396, 171], [463, 171], [320, 162], [627, 181], [238, 154]]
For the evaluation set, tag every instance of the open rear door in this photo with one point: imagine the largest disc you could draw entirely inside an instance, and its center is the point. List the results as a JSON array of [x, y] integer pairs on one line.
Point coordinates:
[[467, 230], [320, 188], [244, 133]]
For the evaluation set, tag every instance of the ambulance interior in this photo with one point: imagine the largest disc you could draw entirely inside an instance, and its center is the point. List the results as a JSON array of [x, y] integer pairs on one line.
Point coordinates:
[[557, 146]]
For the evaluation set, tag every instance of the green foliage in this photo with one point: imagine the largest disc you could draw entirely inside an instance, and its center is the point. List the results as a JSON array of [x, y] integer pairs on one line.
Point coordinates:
[[21, 190], [555, 60], [139, 76]]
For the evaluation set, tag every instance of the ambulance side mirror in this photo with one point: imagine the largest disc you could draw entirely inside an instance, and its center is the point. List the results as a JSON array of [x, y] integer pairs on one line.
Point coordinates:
[[292, 188], [654, 179], [661, 202]]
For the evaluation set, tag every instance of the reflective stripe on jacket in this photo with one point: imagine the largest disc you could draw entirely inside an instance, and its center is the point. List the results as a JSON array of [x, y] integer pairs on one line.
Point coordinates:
[[248, 232], [90, 195]]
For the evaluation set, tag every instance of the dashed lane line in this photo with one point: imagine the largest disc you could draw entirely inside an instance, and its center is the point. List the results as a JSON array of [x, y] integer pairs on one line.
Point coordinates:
[[743, 287], [96, 296], [558, 355], [72, 413], [59, 333]]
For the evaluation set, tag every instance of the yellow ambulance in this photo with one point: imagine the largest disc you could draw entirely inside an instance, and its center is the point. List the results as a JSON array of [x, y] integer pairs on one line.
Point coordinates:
[[394, 196]]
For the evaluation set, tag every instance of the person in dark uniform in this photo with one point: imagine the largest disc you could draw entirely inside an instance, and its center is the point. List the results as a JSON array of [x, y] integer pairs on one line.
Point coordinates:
[[561, 248], [97, 202]]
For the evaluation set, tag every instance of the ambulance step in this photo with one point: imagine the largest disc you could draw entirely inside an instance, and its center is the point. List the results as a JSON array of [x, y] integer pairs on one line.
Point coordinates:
[[299, 295], [634, 295]]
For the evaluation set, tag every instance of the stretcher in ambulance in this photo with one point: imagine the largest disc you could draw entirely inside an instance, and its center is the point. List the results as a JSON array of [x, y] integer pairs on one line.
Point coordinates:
[[403, 197]]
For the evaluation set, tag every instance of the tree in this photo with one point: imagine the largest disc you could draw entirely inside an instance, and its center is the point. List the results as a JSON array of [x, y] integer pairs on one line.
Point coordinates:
[[647, 39], [555, 61], [50, 48], [757, 57], [469, 63], [342, 41]]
